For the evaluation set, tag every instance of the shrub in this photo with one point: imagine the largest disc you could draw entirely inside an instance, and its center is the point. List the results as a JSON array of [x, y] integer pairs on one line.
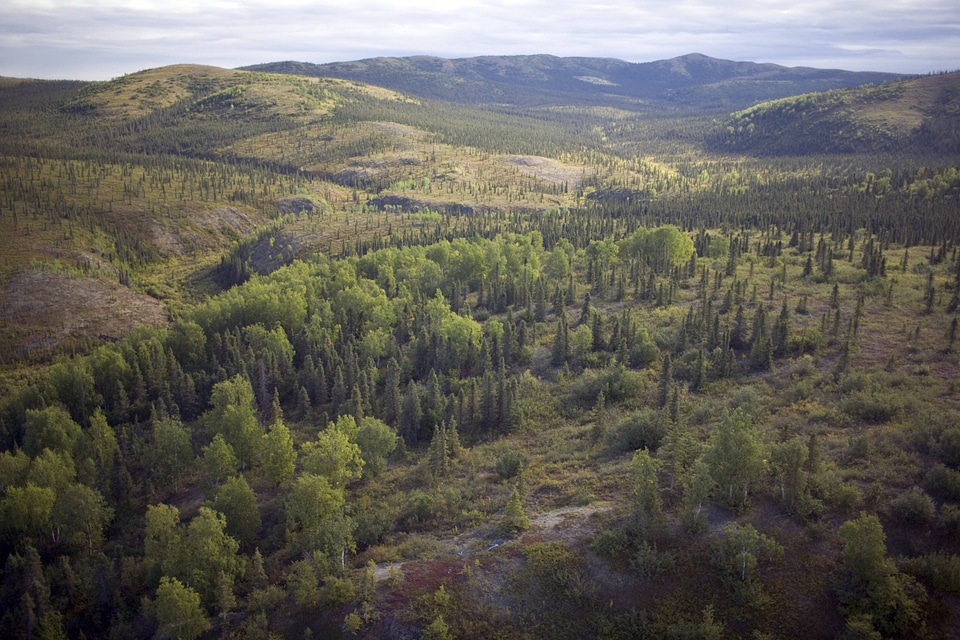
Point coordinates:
[[510, 464], [649, 562], [616, 382], [948, 447], [611, 543], [943, 482], [806, 342], [949, 520], [336, 591], [373, 524], [804, 367], [914, 506], [420, 507], [642, 430], [749, 400], [874, 407], [942, 570]]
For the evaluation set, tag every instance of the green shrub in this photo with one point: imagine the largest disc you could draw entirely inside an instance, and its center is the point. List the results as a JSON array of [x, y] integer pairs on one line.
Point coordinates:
[[510, 464], [948, 447], [914, 506], [854, 383], [949, 520], [611, 543], [806, 342], [749, 400], [643, 430], [336, 591], [420, 508], [649, 562], [616, 382], [943, 482], [874, 407], [940, 569], [373, 524]]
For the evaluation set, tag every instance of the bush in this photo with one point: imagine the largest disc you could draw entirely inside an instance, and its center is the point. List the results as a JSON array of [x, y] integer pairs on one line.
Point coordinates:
[[942, 570], [748, 399], [336, 591], [611, 543], [914, 506], [642, 430], [373, 524], [806, 342], [948, 447], [943, 482], [616, 382], [874, 407], [949, 520], [420, 508], [510, 464], [845, 497], [649, 562]]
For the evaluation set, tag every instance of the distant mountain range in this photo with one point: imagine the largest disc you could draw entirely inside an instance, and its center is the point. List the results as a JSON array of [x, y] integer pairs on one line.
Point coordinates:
[[691, 81]]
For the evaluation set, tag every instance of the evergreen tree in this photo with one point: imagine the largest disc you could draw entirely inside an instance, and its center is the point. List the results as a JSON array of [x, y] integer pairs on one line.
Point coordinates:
[[515, 518], [646, 485], [410, 415], [279, 455], [666, 381]]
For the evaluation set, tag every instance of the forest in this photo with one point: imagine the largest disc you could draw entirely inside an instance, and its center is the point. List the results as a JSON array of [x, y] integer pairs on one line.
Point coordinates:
[[287, 356]]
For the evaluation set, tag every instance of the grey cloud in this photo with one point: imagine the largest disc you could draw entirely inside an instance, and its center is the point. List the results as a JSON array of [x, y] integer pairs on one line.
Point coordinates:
[[102, 38]]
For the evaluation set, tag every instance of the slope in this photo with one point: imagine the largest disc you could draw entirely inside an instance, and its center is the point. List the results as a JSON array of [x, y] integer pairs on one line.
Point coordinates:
[[920, 114]]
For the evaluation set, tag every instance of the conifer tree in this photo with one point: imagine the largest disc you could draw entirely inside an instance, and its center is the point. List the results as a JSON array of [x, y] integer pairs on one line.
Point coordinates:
[[410, 415], [515, 518], [279, 455], [646, 485], [666, 380]]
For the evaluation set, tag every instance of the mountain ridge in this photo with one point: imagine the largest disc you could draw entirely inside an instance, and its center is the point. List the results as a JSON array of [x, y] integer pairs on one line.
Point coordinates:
[[692, 80]]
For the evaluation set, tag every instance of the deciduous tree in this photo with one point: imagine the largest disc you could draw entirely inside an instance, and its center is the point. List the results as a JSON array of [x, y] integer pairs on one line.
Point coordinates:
[[178, 611]]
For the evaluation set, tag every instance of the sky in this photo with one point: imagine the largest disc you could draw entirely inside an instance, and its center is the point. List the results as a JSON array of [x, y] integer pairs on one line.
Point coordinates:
[[103, 39]]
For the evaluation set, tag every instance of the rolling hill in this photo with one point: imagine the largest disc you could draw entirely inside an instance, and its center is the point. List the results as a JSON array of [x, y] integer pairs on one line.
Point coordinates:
[[692, 81], [171, 156], [920, 114]]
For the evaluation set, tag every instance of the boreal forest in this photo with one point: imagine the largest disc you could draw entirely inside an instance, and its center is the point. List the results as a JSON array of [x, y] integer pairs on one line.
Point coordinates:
[[519, 347]]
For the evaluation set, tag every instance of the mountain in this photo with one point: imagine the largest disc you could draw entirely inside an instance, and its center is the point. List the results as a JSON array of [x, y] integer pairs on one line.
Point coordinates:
[[692, 81], [920, 114]]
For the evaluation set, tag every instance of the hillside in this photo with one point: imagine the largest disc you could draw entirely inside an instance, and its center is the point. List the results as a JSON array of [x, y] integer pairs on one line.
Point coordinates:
[[693, 81], [134, 181], [920, 114], [287, 356]]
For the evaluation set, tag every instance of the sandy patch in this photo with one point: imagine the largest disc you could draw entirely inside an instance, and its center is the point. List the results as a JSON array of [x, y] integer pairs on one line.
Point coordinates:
[[546, 169]]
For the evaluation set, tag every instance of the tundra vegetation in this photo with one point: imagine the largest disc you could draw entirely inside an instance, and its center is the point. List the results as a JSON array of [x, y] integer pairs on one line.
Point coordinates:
[[288, 356]]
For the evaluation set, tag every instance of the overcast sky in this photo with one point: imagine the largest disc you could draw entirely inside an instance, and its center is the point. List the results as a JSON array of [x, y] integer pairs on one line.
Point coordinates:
[[102, 39]]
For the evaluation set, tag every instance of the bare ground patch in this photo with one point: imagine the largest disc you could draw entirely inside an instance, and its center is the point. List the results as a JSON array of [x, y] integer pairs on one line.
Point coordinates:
[[546, 169], [43, 311]]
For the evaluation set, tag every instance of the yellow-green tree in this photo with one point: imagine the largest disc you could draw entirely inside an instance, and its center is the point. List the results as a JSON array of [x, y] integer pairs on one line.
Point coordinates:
[[178, 611], [335, 454], [234, 414], [872, 590], [736, 458], [279, 455]]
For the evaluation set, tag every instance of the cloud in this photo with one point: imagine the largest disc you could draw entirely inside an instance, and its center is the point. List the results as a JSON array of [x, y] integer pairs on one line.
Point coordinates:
[[96, 39]]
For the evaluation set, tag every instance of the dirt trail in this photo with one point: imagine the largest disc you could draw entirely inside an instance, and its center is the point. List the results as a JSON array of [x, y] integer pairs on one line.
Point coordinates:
[[567, 524]]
